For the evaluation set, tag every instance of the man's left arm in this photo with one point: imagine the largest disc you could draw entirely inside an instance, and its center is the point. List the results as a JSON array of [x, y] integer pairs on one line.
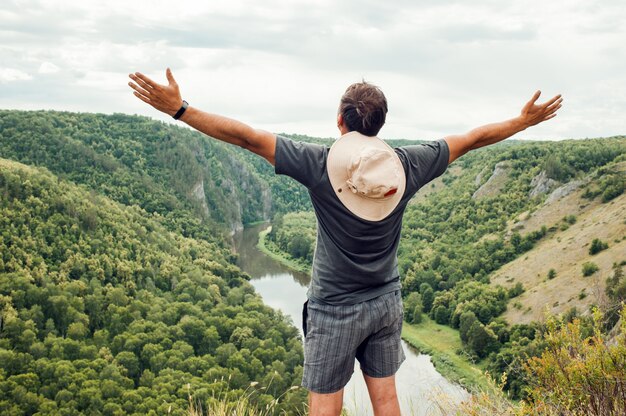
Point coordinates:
[[167, 99], [530, 115]]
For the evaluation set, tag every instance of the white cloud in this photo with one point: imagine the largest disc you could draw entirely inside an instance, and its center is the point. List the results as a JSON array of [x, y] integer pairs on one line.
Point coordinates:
[[282, 65], [48, 68], [12, 74]]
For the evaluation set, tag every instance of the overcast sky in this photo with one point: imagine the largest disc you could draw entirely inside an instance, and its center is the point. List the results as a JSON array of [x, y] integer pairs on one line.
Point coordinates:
[[444, 66]]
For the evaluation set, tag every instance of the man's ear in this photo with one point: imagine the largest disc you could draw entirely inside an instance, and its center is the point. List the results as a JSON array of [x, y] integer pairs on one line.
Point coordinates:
[[343, 129]]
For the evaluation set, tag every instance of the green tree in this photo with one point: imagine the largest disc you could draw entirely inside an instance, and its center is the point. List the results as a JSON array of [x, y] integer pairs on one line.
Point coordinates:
[[481, 340], [466, 321], [412, 303], [441, 315], [428, 296]]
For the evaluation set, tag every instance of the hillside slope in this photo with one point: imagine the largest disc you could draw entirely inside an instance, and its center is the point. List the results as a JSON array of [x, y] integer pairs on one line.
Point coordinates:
[[565, 250], [105, 311], [173, 171]]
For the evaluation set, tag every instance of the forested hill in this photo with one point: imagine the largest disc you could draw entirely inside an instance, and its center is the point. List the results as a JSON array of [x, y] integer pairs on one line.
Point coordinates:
[[118, 286], [172, 171], [118, 292]]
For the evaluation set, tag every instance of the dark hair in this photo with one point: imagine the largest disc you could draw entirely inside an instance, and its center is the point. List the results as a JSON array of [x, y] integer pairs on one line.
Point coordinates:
[[363, 107]]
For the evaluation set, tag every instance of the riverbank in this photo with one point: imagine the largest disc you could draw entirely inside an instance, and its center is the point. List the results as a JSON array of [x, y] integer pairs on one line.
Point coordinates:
[[440, 342], [270, 249]]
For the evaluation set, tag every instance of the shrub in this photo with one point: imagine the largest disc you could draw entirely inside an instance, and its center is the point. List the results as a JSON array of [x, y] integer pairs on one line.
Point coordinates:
[[516, 290], [551, 274], [597, 246], [579, 374], [589, 268], [570, 219], [613, 187]]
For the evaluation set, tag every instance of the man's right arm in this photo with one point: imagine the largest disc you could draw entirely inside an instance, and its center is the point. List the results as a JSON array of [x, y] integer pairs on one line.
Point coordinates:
[[531, 115], [261, 142], [167, 99]]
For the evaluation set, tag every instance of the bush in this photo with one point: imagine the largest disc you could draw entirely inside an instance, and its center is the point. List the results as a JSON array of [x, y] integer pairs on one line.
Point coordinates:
[[613, 187], [570, 219], [589, 268], [597, 246], [516, 290], [551, 274], [578, 373]]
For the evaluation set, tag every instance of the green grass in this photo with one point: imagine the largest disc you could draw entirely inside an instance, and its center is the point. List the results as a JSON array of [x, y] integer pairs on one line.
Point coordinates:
[[442, 343], [269, 248]]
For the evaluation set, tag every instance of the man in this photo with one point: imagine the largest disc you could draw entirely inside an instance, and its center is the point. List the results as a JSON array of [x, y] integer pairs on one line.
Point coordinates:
[[359, 189]]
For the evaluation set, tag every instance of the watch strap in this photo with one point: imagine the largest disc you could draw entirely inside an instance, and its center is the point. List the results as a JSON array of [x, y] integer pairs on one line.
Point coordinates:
[[182, 109]]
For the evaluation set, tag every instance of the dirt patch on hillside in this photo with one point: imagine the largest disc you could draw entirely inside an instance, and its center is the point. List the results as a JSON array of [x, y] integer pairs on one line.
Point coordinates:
[[565, 251]]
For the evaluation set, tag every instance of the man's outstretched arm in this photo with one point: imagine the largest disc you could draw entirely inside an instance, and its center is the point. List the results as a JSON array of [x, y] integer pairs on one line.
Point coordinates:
[[531, 114], [167, 98]]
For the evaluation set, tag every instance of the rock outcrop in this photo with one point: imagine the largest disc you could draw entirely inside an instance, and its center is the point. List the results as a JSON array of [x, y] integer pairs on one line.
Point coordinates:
[[495, 183], [565, 190], [541, 184]]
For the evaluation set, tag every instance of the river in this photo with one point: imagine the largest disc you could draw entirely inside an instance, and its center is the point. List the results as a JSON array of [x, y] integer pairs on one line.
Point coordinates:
[[421, 389]]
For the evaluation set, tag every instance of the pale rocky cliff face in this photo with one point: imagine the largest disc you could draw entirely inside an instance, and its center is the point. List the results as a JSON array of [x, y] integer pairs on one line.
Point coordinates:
[[541, 184], [197, 193], [495, 183]]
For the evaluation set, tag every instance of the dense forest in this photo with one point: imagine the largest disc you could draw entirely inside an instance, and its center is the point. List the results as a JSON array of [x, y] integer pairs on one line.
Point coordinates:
[[133, 160], [119, 292], [459, 232]]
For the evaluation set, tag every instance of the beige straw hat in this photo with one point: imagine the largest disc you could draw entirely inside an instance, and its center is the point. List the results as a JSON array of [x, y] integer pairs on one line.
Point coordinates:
[[366, 175]]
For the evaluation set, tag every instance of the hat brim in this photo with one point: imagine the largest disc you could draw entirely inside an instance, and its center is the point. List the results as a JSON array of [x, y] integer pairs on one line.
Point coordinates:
[[339, 158]]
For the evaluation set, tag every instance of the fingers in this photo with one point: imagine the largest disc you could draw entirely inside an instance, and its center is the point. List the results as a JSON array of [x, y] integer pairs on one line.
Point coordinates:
[[142, 98], [535, 97], [553, 109], [553, 100], [143, 80], [138, 89], [170, 77]]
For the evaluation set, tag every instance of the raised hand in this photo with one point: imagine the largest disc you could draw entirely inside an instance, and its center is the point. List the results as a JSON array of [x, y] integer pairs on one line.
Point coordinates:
[[536, 113], [165, 98]]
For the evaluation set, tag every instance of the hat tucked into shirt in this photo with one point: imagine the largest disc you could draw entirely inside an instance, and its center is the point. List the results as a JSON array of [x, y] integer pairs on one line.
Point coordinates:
[[366, 175]]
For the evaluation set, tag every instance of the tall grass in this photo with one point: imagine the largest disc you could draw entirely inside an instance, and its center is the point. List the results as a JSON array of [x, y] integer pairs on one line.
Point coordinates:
[[246, 405]]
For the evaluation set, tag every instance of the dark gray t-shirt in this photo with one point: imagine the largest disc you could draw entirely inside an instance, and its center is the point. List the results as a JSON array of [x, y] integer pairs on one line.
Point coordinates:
[[355, 259]]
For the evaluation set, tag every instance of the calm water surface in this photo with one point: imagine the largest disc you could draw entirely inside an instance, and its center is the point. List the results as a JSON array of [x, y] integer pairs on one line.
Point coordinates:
[[421, 389]]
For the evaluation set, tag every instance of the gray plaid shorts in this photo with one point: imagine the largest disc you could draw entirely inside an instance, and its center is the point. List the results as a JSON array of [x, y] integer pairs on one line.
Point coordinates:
[[336, 334]]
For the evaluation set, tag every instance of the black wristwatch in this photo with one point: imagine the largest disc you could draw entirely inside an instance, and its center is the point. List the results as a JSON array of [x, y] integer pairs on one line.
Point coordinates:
[[181, 110]]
